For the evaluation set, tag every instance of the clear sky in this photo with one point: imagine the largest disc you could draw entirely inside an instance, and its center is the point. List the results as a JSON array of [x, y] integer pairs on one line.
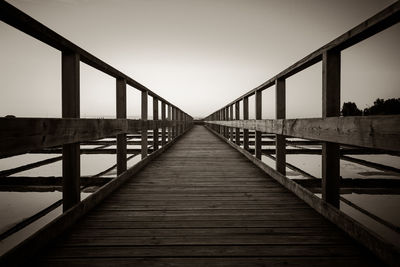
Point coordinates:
[[199, 55]]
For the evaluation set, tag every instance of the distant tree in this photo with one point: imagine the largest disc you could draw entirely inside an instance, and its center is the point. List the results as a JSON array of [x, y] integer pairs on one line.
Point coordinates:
[[384, 107], [350, 109]]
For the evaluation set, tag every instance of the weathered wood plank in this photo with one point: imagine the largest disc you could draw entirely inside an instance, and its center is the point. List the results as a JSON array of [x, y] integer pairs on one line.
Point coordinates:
[[163, 129], [144, 111], [21, 135], [71, 162], [280, 110], [331, 108], [379, 132], [246, 142], [237, 117], [121, 114], [155, 130], [258, 113]]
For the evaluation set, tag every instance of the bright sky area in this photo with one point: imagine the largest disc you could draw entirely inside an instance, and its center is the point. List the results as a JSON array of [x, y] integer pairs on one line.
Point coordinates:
[[199, 55]]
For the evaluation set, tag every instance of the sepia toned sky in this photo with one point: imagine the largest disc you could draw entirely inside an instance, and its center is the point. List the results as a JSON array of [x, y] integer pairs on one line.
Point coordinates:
[[198, 54]]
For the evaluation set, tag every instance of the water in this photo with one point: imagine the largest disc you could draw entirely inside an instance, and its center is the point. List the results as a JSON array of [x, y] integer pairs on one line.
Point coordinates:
[[16, 206], [384, 206]]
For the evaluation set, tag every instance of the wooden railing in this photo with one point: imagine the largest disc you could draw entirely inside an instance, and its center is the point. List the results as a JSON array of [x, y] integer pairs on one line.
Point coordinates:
[[373, 132], [24, 135]]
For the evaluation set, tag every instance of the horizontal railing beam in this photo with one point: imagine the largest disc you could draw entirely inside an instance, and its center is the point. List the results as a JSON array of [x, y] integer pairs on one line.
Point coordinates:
[[379, 132], [21, 135]]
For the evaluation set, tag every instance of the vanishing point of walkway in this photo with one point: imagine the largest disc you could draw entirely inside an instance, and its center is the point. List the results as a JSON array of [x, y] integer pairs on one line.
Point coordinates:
[[202, 203]]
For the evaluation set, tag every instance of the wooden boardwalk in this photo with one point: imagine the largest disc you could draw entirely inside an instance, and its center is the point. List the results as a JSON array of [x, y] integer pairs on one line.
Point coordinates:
[[202, 203]]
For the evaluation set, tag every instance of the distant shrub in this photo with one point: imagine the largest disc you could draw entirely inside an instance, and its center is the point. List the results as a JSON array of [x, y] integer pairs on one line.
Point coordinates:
[[384, 107], [350, 109]]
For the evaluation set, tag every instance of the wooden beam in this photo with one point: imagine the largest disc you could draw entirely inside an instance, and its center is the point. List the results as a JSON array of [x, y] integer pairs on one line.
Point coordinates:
[[220, 118], [163, 129], [331, 108], [230, 117], [22, 135], [375, 165], [246, 117], [170, 118], [174, 128], [354, 183], [226, 118], [378, 132], [70, 109], [144, 118], [121, 114], [180, 119], [155, 117], [304, 151], [49, 181], [258, 112], [237, 117], [280, 110], [29, 166]]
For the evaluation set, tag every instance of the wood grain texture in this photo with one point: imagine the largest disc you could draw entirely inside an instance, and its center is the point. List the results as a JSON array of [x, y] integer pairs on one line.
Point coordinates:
[[21, 135], [280, 113], [205, 202], [380, 132], [71, 167]]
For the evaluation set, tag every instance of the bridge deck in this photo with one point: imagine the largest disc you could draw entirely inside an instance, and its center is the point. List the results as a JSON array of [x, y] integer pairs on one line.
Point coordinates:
[[203, 203]]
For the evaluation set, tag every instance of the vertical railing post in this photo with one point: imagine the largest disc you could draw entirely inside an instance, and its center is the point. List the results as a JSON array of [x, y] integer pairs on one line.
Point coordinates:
[[280, 110], [227, 129], [170, 119], [163, 130], [331, 108], [237, 115], [174, 119], [70, 109], [213, 119], [178, 119], [186, 121], [258, 138], [121, 114], [231, 118], [246, 117], [155, 127], [220, 118], [144, 124], [182, 121]]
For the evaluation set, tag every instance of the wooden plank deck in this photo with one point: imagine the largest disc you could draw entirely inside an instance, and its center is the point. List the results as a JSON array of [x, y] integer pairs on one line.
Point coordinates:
[[202, 203]]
